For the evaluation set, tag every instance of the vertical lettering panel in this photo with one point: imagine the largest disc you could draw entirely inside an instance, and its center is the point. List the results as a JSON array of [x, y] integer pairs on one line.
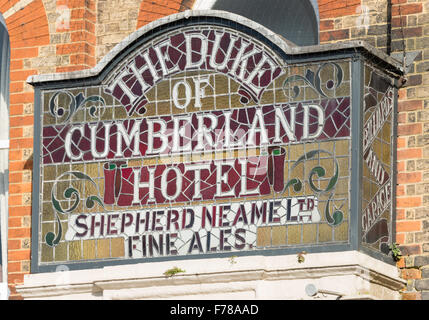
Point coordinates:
[[377, 161]]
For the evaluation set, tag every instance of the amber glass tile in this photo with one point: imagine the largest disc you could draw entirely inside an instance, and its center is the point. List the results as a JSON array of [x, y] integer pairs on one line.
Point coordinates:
[[163, 108], [343, 167], [267, 97], [294, 234], [163, 90], [47, 212], [118, 249], [78, 167], [295, 152], [61, 252], [47, 254], [325, 232], [309, 233], [106, 114], [75, 250], [327, 145], [222, 102], [279, 95], [103, 248], [221, 84], [343, 90], [342, 147], [263, 237], [235, 101], [88, 249], [47, 189], [342, 232], [46, 97], [278, 235], [120, 113], [342, 186], [49, 173], [47, 227], [310, 94]]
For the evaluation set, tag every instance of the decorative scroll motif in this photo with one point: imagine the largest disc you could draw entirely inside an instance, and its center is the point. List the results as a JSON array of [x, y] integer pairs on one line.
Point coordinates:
[[73, 195], [75, 102], [314, 80], [337, 217]]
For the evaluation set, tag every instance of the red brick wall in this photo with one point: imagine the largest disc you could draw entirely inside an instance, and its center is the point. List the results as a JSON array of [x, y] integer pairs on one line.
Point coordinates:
[[152, 10], [27, 36], [31, 35], [409, 27], [40, 45]]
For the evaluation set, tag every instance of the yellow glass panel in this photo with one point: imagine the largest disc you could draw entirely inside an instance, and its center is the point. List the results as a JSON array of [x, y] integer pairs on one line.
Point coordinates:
[[343, 90], [49, 173], [163, 108], [278, 235], [103, 248], [342, 232], [47, 189], [222, 102], [61, 252], [309, 233], [325, 232], [221, 84], [327, 145], [343, 167], [163, 91], [47, 254], [118, 249], [47, 212], [294, 234], [88, 249], [342, 147], [263, 237], [75, 250]]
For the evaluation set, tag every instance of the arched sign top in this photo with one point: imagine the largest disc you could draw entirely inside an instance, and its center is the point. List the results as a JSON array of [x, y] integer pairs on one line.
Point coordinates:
[[207, 48]]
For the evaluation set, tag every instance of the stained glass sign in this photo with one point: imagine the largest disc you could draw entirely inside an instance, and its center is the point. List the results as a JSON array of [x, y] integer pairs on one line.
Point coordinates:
[[202, 141]]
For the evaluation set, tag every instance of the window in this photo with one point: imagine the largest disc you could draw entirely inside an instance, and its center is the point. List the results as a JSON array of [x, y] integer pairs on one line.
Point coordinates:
[[295, 20]]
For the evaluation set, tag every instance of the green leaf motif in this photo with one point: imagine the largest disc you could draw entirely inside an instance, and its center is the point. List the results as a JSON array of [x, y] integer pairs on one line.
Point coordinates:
[[71, 192], [91, 200], [337, 216], [297, 184], [318, 170], [50, 238]]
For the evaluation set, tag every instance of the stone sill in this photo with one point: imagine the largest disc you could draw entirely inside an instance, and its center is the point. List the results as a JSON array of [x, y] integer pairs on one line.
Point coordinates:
[[350, 275]]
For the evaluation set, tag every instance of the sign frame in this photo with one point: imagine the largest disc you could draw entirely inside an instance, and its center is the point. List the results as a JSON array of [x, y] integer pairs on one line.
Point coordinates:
[[356, 52]]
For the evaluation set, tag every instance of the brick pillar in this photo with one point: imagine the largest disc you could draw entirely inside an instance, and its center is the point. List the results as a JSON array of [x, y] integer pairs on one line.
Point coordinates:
[[152, 10], [27, 38], [403, 27], [76, 51], [46, 36], [410, 31]]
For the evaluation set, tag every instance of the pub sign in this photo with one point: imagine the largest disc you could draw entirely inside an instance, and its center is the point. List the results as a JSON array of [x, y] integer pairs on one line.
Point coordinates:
[[202, 138]]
